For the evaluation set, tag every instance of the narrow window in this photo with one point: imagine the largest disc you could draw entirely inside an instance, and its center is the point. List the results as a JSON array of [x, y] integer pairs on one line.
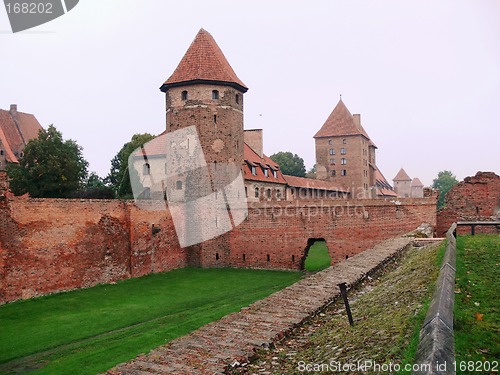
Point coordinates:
[[254, 170], [278, 194], [343, 161], [1, 152], [343, 151], [216, 256], [237, 99], [268, 257], [275, 174], [246, 192], [268, 193], [343, 172], [244, 257], [256, 192], [178, 185], [215, 119], [332, 151], [184, 95], [293, 258], [332, 161], [215, 94], [21, 154], [266, 172], [146, 169]]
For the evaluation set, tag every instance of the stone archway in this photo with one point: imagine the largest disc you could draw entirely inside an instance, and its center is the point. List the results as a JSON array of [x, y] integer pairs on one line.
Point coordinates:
[[316, 255]]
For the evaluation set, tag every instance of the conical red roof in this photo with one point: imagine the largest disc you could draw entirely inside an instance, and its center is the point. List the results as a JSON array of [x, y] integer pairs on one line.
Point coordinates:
[[204, 62], [402, 176], [340, 123]]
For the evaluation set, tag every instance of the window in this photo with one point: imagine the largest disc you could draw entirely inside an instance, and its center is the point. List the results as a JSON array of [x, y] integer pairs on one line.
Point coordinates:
[[268, 193], [344, 141], [1, 152], [343, 151], [146, 169], [215, 94], [332, 151], [184, 95], [343, 161], [256, 192], [332, 161], [21, 154], [278, 194], [215, 119], [275, 174], [266, 172], [333, 172], [254, 170], [246, 192], [237, 99], [178, 185], [330, 141], [343, 172]]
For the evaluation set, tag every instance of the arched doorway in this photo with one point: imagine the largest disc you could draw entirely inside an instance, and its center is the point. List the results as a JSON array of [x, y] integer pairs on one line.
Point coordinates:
[[316, 256]]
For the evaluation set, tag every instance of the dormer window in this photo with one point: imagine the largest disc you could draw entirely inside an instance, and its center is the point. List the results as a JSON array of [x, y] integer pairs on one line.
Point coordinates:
[[266, 172], [184, 95], [254, 170], [275, 174], [215, 94]]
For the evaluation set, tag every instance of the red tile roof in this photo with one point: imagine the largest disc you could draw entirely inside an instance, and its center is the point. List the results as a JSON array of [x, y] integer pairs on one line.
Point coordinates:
[[252, 158], [340, 123], [16, 130], [310, 183], [416, 182], [204, 62], [384, 189], [402, 176]]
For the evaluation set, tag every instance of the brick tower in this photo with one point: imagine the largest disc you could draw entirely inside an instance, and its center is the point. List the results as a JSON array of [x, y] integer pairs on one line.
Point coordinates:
[[345, 155], [204, 91]]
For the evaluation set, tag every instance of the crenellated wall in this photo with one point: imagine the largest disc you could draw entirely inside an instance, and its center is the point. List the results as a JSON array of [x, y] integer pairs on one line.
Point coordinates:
[[52, 245]]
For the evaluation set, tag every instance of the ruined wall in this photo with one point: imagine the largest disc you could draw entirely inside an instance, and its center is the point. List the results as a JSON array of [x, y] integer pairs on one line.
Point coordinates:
[[50, 245], [476, 198]]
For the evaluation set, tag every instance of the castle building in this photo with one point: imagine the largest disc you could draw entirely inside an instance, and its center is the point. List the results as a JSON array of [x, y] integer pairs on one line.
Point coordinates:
[[16, 130], [406, 187], [345, 155]]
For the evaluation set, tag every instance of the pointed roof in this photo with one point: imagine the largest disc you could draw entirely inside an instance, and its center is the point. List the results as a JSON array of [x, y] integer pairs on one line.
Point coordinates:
[[416, 182], [340, 123], [402, 176], [204, 62]]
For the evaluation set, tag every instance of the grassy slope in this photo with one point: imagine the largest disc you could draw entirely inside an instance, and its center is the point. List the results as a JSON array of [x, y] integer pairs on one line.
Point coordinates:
[[477, 310], [96, 328]]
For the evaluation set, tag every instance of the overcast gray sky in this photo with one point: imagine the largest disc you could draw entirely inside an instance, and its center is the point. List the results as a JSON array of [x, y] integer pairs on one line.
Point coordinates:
[[425, 75]]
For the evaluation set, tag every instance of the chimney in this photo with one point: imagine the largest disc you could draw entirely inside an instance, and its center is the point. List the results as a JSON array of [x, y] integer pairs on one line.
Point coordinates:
[[357, 120], [253, 138], [13, 110]]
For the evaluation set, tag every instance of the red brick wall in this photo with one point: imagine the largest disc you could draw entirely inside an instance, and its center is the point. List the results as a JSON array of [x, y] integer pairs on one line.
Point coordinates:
[[474, 199], [50, 245]]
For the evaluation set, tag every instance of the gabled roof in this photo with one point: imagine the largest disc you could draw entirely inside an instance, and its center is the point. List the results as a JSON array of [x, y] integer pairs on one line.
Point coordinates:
[[252, 158], [416, 182], [340, 123], [204, 62], [402, 176], [383, 187], [16, 130]]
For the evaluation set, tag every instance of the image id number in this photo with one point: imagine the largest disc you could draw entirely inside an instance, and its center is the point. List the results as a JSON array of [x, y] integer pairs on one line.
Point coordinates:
[[29, 8]]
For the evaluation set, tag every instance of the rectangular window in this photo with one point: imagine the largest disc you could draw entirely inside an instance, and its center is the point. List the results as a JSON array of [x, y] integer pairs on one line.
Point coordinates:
[[343, 172], [266, 172], [332, 151], [343, 151], [275, 174], [343, 161], [333, 172], [254, 170], [332, 161]]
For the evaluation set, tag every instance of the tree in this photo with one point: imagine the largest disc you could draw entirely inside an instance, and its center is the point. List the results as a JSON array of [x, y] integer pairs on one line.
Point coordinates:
[[290, 164], [50, 167], [444, 182], [118, 177], [94, 188], [311, 173]]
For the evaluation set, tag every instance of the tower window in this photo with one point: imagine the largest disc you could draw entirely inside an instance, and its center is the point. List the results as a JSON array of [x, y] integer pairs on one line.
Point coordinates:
[[256, 192], [146, 169], [343, 172], [237, 99], [343, 161], [184, 95], [332, 151], [343, 151], [215, 94]]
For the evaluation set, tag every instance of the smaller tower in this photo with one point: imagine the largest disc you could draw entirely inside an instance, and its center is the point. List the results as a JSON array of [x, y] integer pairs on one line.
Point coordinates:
[[417, 188], [402, 184]]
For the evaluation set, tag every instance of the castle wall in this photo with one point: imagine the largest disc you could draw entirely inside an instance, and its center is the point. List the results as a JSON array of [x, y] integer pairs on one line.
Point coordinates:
[[52, 245], [476, 198]]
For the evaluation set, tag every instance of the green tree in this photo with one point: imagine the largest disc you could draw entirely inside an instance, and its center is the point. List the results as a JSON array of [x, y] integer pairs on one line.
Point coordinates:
[[118, 177], [444, 182], [50, 168], [94, 188], [290, 164], [311, 173]]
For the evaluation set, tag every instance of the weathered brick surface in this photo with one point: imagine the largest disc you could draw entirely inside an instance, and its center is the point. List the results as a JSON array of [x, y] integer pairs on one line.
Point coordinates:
[[476, 198], [218, 345], [51, 245]]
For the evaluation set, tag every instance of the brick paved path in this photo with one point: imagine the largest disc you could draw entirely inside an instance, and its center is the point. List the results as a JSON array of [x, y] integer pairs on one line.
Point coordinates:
[[234, 338]]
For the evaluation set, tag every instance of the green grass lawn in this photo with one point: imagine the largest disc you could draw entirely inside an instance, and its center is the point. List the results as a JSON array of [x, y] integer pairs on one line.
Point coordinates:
[[89, 331], [477, 296], [318, 258]]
